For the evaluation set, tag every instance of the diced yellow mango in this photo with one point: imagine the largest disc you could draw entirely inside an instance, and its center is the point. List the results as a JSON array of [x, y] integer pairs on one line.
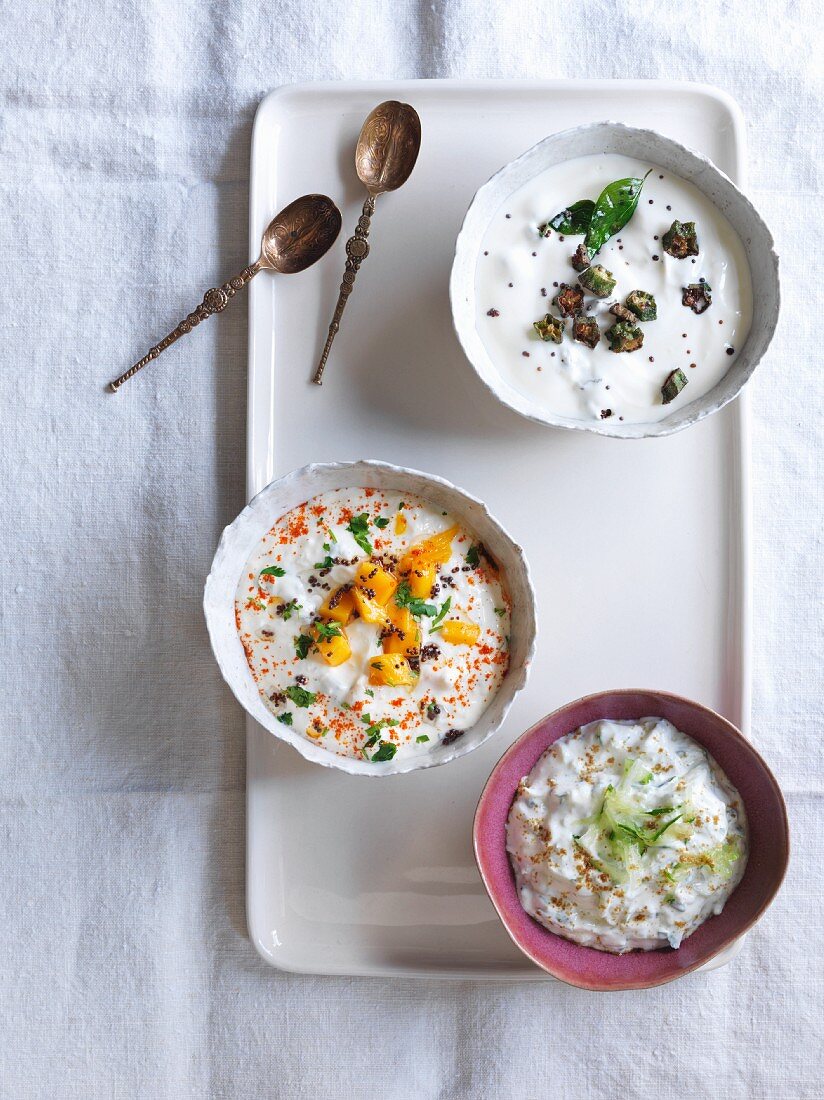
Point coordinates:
[[391, 670], [458, 632], [339, 606], [420, 582], [431, 552], [376, 584], [333, 650], [405, 636], [400, 524], [369, 610]]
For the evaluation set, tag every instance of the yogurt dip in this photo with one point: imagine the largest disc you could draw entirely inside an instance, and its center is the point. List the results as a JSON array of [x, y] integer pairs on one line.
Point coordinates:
[[519, 272], [626, 835], [373, 623]]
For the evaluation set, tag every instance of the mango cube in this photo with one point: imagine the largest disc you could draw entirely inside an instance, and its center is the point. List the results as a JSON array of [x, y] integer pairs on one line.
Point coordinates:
[[339, 606], [335, 650], [391, 670], [405, 636], [374, 582], [458, 632]]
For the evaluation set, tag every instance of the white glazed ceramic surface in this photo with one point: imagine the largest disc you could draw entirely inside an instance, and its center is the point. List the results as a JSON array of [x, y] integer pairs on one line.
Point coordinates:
[[654, 149], [240, 539], [599, 522]]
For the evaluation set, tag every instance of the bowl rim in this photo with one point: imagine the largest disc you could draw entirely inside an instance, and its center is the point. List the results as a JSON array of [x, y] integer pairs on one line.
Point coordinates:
[[518, 674], [481, 844], [519, 403]]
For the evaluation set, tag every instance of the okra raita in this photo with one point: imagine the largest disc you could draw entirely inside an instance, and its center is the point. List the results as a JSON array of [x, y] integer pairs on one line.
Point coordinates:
[[604, 278]]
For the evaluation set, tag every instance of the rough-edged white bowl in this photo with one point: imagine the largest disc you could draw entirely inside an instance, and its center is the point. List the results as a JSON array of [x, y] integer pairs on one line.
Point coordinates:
[[650, 146], [240, 538]]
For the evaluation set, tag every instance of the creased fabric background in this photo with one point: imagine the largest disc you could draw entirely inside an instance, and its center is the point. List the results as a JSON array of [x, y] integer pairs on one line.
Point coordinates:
[[125, 972]]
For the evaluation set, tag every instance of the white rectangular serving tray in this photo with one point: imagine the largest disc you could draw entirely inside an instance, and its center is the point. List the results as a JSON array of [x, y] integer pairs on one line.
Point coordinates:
[[639, 549]]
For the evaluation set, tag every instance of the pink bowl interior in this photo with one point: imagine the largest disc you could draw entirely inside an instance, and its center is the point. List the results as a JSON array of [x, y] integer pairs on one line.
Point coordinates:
[[768, 857]]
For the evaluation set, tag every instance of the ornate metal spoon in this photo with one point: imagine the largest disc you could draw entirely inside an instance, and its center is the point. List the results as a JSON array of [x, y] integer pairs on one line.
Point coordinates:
[[387, 149], [295, 239]]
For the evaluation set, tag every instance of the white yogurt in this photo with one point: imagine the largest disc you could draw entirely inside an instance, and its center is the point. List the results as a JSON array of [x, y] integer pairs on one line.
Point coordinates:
[[314, 555], [572, 836], [570, 379]]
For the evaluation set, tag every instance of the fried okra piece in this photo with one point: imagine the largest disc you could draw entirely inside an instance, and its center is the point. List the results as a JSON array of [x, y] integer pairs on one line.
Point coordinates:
[[569, 300], [642, 305], [598, 281], [622, 313], [624, 337], [673, 384], [550, 328], [585, 330], [698, 296], [680, 240], [581, 257]]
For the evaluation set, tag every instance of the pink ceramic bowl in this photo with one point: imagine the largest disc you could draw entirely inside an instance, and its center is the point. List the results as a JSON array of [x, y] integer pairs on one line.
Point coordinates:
[[768, 856]]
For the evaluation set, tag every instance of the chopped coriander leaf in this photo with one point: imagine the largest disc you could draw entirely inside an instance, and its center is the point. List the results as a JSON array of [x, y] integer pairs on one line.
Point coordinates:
[[401, 506], [327, 630], [369, 692], [327, 547], [500, 612], [285, 718], [287, 610], [358, 526], [437, 622], [381, 522], [303, 643], [423, 737], [346, 706], [473, 556], [414, 604], [300, 696], [386, 750], [273, 571], [327, 563]]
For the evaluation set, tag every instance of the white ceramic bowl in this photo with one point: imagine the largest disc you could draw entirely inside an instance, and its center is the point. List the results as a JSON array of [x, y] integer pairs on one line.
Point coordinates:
[[655, 149], [240, 538]]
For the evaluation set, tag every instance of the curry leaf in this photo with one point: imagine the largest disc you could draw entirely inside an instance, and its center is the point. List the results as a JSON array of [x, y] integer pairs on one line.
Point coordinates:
[[613, 208]]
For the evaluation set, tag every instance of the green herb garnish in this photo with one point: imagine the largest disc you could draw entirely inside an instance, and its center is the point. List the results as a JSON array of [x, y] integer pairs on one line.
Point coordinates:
[[300, 696], [500, 612], [385, 751], [414, 604], [369, 692], [303, 644], [288, 609], [325, 631], [358, 526], [437, 622], [572, 221], [473, 556], [613, 208], [381, 522], [285, 718], [327, 563], [273, 571], [423, 737]]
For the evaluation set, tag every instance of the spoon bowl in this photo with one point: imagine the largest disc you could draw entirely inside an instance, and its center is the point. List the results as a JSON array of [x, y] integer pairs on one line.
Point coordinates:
[[300, 234], [388, 147]]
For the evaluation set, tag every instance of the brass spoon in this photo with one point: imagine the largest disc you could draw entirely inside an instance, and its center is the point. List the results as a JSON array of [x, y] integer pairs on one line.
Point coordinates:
[[295, 239], [387, 149]]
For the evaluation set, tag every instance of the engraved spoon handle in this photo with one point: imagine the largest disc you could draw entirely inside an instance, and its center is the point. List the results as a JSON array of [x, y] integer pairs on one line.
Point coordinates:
[[357, 249], [214, 301]]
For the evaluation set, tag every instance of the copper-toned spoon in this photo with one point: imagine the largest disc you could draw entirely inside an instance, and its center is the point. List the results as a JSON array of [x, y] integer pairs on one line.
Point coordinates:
[[295, 239], [387, 149]]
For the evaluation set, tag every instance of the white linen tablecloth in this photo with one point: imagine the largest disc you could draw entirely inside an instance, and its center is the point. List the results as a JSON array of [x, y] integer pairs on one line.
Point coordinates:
[[126, 972]]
